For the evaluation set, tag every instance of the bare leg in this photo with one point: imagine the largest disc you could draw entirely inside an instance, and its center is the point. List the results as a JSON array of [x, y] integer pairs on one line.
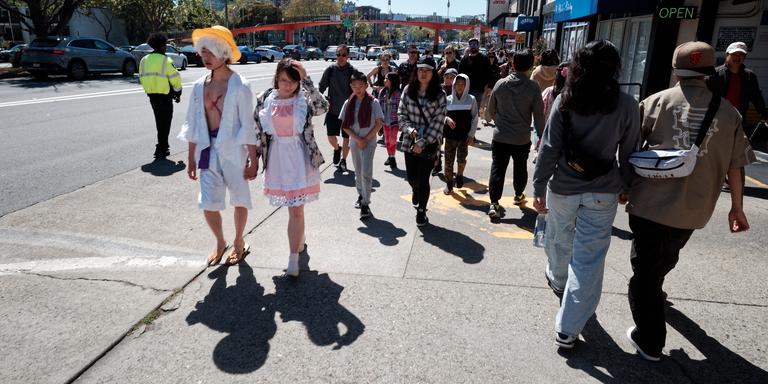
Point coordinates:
[[296, 228], [334, 141], [241, 218], [213, 218], [295, 238]]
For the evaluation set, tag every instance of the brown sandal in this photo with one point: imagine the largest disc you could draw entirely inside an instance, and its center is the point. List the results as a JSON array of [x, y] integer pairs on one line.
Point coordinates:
[[217, 259], [236, 257]]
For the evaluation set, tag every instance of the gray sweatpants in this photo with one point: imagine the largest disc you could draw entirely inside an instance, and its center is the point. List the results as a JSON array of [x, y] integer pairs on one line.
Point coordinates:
[[362, 160]]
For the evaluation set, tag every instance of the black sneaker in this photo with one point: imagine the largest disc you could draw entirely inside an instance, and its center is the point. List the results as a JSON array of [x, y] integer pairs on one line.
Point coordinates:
[[388, 161], [393, 163], [358, 202], [459, 181], [414, 200], [645, 355], [437, 168], [365, 212], [421, 218], [336, 155], [564, 341], [343, 165], [448, 187]]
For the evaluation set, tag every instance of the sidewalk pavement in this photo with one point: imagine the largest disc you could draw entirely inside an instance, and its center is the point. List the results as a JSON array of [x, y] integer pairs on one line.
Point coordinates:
[[108, 284]]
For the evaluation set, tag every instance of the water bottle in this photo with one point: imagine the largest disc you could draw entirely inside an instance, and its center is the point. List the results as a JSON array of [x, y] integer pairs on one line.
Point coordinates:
[[539, 231]]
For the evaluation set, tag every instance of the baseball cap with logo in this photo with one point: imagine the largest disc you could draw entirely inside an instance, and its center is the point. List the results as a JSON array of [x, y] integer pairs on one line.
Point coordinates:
[[736, 47], [693, 59]]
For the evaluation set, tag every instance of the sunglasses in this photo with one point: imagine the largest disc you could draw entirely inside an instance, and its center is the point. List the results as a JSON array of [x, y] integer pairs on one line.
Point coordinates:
[[449, 53], [342, 54]]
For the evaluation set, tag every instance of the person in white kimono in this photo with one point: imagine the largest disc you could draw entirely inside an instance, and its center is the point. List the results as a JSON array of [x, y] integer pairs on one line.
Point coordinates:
[[222, 139]]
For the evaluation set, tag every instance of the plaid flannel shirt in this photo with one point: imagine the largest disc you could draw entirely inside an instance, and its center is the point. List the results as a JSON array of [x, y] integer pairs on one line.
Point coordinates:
[[410, 119]]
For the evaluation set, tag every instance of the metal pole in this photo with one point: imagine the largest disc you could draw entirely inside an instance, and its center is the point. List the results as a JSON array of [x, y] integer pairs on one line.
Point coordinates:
[[226, 14], [10, 24]]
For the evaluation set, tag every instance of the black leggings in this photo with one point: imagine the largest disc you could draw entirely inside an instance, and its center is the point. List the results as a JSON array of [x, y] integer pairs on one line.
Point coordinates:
[[418, 171]]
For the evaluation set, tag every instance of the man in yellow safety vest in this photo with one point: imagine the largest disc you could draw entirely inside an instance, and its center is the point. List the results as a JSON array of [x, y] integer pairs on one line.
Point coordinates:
[[162, 83]]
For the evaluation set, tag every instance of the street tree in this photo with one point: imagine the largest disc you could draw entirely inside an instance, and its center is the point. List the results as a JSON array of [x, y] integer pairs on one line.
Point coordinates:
[[362, 30], [244, 13], [144, 16], [192, 14], [311, 8], [46, 17], [101, 12]]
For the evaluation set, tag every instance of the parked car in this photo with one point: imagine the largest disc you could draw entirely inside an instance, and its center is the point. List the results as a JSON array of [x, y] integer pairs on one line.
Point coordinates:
[[314, 53], [271, 47], [249, 54], [75, 57], [192, 56], [179, 60], [356, 54], [373, 53], [12, 55], [127, 48], [330, 53], [392, 52], [270, 54], [296, 52]]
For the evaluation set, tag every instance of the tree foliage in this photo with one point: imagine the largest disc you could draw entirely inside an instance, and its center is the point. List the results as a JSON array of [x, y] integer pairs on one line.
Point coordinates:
[[363, 30], [245, 13], [311, 8], [192, 14], [46, 17], [144, 16]]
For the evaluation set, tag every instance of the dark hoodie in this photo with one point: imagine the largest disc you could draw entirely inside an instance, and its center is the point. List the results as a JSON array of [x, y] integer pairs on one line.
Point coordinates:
[[513, 101], [463, 111]]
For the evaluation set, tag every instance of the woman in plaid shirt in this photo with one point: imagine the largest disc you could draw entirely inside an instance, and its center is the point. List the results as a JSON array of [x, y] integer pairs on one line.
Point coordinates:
[[422, 134]]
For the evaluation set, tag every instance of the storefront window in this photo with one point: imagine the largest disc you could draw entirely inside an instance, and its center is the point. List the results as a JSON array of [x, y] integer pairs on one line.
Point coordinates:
[[574, 37], [549, 32], [631, 37]]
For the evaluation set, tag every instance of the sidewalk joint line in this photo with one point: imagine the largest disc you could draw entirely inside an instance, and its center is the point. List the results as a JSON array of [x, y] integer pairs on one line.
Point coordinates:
[[29, 273]]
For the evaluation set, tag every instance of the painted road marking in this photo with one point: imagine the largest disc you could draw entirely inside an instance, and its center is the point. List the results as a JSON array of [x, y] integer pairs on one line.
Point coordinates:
[[756, 182], [116, 252], [472, 200]]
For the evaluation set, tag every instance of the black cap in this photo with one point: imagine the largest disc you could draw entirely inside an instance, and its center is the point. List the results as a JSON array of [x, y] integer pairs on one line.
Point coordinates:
[[426, 62]]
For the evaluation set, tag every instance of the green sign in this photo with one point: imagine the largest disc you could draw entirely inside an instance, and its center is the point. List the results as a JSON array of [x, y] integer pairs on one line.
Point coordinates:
[[677, 13], [347, 23]]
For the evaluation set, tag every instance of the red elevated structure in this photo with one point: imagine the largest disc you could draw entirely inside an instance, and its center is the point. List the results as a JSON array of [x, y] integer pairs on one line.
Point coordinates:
[[289, 28]]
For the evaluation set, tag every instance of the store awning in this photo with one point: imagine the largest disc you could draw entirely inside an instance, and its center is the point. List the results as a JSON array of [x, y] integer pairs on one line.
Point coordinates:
[[566, 10]]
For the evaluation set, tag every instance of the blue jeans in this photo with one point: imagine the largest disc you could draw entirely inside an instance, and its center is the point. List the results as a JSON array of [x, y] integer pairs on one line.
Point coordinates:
[[578, 236]]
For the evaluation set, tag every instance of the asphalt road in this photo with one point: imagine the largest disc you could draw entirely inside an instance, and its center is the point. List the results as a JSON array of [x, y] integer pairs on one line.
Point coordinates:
[[60, 135]]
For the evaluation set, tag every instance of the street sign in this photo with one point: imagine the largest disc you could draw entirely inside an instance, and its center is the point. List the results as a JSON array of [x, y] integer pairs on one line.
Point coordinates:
[[348, 8], [520, 38], [477, 32], [348, 23]]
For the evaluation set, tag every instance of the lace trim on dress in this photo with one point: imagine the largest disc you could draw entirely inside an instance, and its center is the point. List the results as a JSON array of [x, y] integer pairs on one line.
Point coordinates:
[[282, 201]]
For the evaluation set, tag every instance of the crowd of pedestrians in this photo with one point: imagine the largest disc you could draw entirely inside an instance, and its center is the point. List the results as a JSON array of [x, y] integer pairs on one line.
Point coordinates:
[[591, 141]]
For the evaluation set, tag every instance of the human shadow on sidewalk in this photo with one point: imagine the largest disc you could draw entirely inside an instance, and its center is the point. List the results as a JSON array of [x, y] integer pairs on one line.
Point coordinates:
[[397, 172], [386, 232], [313, 300], [721, 365], [602, 358], [479, 144], [455, 243], [525, 222], [244, 313], [758, 193], [163, 167]]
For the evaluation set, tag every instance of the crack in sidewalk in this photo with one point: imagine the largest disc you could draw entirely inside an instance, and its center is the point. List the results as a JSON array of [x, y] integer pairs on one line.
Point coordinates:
[[29, 273]]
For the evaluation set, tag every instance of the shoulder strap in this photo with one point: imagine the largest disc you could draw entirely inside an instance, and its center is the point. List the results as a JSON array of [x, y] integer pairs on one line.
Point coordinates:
[[714, 105], [421, 112]]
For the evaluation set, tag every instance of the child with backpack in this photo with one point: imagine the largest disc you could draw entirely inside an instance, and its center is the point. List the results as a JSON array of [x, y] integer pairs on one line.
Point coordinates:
[[389, 100]]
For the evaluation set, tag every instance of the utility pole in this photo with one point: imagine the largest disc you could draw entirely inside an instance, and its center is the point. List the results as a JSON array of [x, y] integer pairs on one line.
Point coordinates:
[[448, 16]]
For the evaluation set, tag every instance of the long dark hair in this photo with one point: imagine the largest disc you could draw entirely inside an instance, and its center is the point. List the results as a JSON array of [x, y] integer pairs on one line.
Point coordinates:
[[560, 76], [592, 85], [394, 79], [433, 89]]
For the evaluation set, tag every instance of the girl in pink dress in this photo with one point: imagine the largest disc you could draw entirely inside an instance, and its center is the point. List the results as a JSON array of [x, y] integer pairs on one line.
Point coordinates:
[[290, 154]]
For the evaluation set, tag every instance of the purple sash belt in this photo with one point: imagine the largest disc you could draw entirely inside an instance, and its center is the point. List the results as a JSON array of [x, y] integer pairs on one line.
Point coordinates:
[[205, 155]]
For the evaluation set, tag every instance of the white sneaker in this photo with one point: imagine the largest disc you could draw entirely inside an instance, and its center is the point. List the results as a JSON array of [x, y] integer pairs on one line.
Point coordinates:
[[564, 341]]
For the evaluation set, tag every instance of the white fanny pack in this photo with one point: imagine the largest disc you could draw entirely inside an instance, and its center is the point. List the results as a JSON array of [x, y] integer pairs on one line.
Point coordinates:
[[666, 164]]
